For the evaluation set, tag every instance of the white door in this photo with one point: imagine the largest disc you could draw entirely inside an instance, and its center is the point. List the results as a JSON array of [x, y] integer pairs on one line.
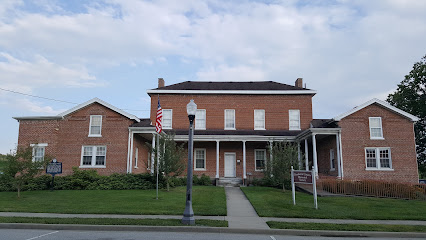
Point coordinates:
[[229, 164]]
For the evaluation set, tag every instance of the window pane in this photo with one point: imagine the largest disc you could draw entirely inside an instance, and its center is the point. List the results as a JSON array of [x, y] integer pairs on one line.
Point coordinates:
[[167, 118], [87, 160], [199, 163], [375, 127], [294, 119], [375, 122], [100, 151], [200, 158], [384, 158], [38, 153], [87, 151], [229, 118], [95, 130], [100, 160], [96, 120], [259, 119], [376, 132], [200, 119], [371, 158], [260, 156]]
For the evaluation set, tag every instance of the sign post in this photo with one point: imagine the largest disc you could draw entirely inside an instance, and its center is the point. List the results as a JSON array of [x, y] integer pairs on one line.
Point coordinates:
[[53, 168], [304, 177]]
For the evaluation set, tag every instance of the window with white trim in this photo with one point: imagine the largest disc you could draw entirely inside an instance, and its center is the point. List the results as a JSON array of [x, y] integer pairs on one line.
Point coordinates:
[[378, 158], [260, 159], [332, 160], [200, 119], [259, 119], [136, 157], [230, 119], [376, 131], [200, 159], [294, 119], [38, 151], [167, 118], [95, 126], [93, 156]]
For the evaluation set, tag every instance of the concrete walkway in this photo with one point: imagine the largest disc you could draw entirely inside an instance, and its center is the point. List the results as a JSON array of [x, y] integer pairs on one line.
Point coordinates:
[[240, 212]]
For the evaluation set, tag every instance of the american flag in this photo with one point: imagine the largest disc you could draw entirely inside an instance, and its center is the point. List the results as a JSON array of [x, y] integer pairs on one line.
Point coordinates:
[[159, 121]]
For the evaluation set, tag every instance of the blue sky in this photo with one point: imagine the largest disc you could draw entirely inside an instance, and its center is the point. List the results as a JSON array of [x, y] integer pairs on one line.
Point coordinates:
[[349, 51]]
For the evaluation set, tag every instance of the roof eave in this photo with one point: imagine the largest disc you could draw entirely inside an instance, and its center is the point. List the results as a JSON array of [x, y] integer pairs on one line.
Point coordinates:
[[242, 92]]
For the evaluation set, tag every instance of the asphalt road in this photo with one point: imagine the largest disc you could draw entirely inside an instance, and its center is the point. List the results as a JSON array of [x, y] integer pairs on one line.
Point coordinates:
[[30, 234]]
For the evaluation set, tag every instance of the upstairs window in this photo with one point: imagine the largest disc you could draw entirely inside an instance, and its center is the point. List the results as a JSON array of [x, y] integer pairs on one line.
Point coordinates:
[[378, 158], [260, 159], [167, 118], [259, 119], [38, 151], [294, 119], [95, 126], [200, 119], [376, 131], [93, 156], [229, 119]]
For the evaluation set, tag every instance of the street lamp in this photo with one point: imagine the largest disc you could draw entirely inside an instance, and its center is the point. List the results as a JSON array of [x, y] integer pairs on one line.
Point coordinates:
[[188, 214]]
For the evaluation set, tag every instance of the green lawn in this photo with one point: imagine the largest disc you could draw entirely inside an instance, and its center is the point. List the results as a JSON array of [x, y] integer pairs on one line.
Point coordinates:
[[271, 202], [112, 221], [347, 227], [207, 200]]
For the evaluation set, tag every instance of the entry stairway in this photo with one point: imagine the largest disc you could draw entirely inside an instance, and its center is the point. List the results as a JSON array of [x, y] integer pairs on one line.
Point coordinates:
[[230, 182]]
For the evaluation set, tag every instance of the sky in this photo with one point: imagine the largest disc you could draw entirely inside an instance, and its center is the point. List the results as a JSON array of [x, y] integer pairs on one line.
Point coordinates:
[[72, 51]]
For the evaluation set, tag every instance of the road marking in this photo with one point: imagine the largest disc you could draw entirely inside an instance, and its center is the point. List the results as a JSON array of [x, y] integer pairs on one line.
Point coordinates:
[[41, 235], [273, 238]]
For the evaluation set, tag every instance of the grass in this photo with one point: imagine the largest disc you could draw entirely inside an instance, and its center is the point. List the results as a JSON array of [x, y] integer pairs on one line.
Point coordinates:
[[207, 200], [347, 227], [112, 221], [271, 202]]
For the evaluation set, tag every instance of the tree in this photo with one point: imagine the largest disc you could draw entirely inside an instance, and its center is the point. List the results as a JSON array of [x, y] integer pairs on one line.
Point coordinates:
[[171, 157], [410, 96], [20, 167], [278, 171]]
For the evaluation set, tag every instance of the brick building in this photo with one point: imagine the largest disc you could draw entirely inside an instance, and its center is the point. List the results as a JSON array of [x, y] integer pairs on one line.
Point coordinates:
[[235, 124]]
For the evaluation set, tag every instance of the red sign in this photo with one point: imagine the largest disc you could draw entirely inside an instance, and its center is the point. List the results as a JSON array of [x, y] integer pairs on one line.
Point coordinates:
[[302, 177]]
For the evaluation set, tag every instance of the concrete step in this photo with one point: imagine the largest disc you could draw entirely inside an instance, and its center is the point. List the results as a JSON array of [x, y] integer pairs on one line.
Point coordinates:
[[230, 182]]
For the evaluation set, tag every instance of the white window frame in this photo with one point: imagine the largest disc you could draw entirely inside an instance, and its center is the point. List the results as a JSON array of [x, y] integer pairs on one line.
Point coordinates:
[[263, 120], [40, 146], [229, 128], [197, 117], [255, 160], [93, 163], [171, 119], [290, 127], [332, 160], [195, 159], [377, 155], [381, 128], [90, 127], [136, 157]]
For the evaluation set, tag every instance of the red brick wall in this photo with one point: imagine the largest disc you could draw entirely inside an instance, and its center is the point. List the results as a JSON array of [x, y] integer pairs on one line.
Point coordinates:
[[398, 134], [276, 109], [66, 137], [323, 155]]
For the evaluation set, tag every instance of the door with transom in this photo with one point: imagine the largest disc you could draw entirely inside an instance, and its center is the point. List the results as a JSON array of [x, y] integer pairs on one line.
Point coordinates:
[[230, 165]]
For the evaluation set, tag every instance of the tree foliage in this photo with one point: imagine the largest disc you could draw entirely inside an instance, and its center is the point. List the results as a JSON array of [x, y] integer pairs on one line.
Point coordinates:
[[278, 171], [21, 168], [410, 96]]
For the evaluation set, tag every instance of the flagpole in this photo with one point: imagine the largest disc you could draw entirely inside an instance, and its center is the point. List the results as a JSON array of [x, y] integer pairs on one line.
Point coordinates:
[[158, 159]]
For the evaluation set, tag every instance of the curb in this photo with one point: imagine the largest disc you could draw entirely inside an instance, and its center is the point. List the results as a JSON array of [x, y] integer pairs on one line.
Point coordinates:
[[183, 229]]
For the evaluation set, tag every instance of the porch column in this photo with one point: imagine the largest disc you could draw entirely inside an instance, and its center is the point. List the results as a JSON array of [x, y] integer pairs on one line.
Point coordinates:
[[341, 155], [338, 155], [217, 160], [131, 153], [128, 151], [152, 154], [244, 163], [306, 155], [314, 152], [298, 155], [270, 153]]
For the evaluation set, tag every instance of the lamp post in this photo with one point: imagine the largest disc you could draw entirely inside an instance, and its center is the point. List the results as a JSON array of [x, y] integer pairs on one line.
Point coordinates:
[[188, 214]]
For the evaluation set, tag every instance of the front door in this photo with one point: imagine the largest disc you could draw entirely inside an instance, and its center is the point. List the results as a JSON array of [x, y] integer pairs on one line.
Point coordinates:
[[229, 164]]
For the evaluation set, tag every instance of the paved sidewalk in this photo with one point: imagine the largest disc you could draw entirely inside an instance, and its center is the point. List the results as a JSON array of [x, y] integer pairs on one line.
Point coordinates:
[[241, 213]]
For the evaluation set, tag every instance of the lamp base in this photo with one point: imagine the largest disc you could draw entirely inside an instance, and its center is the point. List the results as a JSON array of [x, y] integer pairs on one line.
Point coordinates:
[[188, 220]]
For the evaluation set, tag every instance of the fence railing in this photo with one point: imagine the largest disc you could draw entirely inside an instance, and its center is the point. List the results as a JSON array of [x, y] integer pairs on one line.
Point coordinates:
[[373, 188]]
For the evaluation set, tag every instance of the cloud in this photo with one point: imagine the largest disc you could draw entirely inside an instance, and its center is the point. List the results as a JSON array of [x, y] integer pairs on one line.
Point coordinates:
[[227, 73]]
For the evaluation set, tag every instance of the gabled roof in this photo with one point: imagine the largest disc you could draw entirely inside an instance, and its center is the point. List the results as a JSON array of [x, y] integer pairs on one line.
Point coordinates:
[[78, 107], [381, 103], [105, 104], [265, 87]]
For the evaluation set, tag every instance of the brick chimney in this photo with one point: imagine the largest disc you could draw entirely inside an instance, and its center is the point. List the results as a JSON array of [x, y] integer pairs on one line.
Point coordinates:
[[299, 83], [160, 82]]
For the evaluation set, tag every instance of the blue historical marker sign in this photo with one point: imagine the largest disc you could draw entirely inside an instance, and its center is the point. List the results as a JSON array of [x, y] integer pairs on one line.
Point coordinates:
[[54, 167]]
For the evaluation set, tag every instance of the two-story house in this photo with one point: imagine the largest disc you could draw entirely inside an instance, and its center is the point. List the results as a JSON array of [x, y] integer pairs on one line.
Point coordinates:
[[235, 124]]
